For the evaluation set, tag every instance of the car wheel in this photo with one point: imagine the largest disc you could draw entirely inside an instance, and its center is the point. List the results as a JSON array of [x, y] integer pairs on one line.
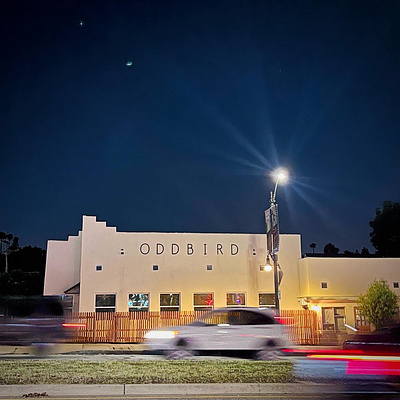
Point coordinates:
[[180, 352], [269, 353]]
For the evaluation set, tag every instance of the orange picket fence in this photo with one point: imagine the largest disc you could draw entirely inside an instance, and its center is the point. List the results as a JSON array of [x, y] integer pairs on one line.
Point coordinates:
[[130, 327]]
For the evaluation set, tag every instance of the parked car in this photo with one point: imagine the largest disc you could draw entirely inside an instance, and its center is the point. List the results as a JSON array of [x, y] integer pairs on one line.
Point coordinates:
[[226, 329], [382, 340], [37, 321]]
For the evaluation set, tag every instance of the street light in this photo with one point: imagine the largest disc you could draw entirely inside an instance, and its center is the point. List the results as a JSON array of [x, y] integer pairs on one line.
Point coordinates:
[[280, 175]]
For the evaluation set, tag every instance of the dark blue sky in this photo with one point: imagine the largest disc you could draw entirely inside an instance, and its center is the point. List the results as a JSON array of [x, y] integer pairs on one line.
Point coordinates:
[[218, 94]]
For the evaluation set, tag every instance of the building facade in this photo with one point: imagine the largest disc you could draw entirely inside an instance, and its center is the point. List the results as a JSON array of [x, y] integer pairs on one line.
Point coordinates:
[[106, 270]]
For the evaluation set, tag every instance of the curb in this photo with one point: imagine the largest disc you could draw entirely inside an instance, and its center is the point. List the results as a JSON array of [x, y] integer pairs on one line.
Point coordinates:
[[166, 389]]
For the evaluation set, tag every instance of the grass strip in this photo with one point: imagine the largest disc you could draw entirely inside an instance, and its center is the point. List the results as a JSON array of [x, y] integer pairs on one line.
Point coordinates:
[[129, 372]]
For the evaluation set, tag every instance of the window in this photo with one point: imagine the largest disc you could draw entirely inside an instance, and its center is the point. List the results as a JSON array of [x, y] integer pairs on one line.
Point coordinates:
[[138, 302], [361, 323], [266, 300], [251, 318], [203, 301], [333, 318], [235, 299], [169, 301], [155, 267], [324, 285], [105, 302], [99, 267], [396, 285], [209, 267]]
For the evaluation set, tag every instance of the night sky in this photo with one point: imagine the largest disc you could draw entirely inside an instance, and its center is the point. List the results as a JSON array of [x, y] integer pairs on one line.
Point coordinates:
[[167, 116]]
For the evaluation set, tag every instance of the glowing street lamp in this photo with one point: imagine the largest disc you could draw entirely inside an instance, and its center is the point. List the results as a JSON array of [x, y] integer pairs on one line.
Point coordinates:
[[280, 175]]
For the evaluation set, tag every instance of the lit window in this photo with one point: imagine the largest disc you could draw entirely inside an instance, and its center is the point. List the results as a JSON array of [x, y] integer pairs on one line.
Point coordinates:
[[203, 301], [138, 302], [235, 299], [266, 300], [105, 302], [169, 301]]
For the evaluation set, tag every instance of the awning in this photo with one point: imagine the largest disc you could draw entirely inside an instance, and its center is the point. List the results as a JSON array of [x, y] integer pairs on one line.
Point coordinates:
[[76, 289]]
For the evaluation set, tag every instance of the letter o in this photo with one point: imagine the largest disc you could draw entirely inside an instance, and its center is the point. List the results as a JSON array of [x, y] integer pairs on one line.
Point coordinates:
[[144, 245]]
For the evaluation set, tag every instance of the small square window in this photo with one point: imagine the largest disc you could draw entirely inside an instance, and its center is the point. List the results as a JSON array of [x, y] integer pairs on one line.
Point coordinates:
[[99, 267], [209, 267], [396, 285], [324, 285], [155, 267]]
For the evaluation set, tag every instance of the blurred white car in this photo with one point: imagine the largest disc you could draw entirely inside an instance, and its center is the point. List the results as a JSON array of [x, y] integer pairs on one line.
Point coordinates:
[[237, 328]]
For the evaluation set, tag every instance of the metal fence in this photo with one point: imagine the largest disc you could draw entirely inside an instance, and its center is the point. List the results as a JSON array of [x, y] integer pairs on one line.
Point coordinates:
[[130, 327]]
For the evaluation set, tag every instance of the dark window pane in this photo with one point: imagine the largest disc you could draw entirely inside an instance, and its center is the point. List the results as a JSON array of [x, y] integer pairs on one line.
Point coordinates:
[[105, 309], [170, 299], [105, 300], [266, 299]]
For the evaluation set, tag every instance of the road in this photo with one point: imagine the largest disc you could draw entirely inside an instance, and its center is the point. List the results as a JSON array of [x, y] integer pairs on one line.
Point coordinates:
[[327, 396]]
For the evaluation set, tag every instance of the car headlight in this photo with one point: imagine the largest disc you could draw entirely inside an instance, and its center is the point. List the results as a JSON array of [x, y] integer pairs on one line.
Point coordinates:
[[160, 334]]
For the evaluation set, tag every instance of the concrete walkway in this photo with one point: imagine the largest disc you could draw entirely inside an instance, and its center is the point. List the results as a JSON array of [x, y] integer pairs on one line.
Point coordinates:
[[165, 390], [69, 348], [66, 348]]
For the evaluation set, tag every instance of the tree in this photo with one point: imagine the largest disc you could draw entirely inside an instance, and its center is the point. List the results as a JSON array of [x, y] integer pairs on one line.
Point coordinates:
[[378, 304], [9, 243], [331, 249], [24, 268], [313, 246], [385, 235]]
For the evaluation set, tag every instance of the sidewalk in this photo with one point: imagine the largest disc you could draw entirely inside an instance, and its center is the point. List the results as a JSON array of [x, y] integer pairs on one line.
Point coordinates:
[[65, 348], [132, 348], [170, 389]]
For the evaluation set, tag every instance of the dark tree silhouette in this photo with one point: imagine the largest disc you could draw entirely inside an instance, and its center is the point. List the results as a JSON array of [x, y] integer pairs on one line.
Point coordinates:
[[313, 246], [23, 269], [331, 249], [385, 235], [9, 243]]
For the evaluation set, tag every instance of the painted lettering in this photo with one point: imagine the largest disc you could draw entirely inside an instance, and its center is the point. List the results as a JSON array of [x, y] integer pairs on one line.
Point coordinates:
[[190, 249], [205, 249], [234, 249], [159, 248], [219, 249], [174, 249], [144, 248]]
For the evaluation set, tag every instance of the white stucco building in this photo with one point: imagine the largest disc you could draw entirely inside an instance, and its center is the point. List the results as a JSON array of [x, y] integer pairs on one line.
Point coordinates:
[[107, 270]]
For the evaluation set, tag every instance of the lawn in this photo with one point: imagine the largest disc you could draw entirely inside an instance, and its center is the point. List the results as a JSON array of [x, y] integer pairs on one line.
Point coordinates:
[[125, 372]]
